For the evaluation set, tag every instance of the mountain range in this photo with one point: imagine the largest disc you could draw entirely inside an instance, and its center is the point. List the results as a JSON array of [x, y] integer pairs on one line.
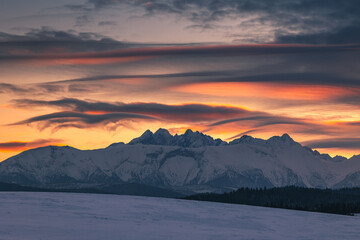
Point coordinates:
[[188, 163]]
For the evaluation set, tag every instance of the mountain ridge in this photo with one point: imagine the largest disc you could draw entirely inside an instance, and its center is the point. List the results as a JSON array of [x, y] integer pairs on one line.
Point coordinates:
[[189, 163]]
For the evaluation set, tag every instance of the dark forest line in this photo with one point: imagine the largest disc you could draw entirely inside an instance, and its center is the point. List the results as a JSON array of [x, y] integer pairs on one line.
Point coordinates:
[[344, 201]]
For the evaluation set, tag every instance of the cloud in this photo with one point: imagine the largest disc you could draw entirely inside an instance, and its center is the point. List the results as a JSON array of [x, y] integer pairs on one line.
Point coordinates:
[[107, 23], [262, 120], [299, 21], [266, 122], [177, 113], [46, 46], [82, 52], [83, 114], [349, 99], [311, 78], [78, 7], [205, 74], [346, 35], [34, 89], [343, 143], [242, 134], [68, 119], [21, 146], [83, 20], [11, 88], [45, 39]]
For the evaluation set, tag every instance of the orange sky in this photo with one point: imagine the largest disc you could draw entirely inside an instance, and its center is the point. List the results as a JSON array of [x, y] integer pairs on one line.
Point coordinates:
[[223, 90]]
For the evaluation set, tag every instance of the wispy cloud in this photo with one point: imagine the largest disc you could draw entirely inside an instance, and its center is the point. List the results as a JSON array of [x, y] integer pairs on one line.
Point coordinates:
[[30, 89], [84, 114], [16, 146], [60, 120], [48, 44], [342, 143], [188, 112]]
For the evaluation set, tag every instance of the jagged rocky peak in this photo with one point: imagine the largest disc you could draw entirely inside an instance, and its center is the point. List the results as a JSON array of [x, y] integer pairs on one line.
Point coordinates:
[[338, 158], [162, 132], [285, 138], [146, 138], [246, 139], [242, 139], [162, 137], [196, 139], [147, 134], [188, 131], [355, 157], [188, 139]]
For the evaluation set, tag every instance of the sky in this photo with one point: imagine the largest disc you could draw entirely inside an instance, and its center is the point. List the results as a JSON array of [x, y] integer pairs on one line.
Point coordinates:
[[88, 73]]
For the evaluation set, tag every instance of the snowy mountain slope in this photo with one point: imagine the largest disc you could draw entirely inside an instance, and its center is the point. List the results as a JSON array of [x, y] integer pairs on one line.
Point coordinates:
[[95, 216], [162, 160]]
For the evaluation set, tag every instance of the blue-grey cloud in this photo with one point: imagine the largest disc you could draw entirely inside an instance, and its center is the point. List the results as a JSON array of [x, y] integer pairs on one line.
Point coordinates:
[[310, 78], [180, 51], [343, 143], [11, 88], [349, 34], [302, 21], [21, 145], [174, 113], [35, 89], [85, 114], [47, 39], [262, 119], [258, 121], [68, 119], [107, 23]]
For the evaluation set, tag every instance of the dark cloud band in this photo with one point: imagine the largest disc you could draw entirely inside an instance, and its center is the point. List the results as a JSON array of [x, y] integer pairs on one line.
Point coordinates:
[[182, 112], [296, 21], [343, 143], [18, 145]]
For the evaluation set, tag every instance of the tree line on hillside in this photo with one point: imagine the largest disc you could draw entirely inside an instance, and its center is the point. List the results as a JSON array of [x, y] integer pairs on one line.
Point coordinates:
[[340, 201]]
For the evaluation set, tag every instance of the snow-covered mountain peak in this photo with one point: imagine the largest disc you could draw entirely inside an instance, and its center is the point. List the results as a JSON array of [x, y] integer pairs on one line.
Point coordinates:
[[195, 139], [242, 139], [188, 139], [146, 138], [284, 139], [189, 132], [162, 137], [338, 158], [162, 132], [146, 134]]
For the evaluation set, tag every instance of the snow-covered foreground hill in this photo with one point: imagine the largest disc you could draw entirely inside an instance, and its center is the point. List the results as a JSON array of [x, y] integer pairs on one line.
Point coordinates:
[[91, 216]]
